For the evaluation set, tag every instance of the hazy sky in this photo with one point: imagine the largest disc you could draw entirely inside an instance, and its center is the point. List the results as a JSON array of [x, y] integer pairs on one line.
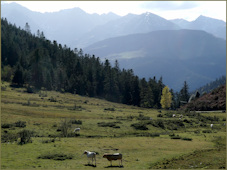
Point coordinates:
[[188, 10]]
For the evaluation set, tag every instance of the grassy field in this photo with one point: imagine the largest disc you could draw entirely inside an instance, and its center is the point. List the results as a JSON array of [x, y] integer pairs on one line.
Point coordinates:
[[147, 138]]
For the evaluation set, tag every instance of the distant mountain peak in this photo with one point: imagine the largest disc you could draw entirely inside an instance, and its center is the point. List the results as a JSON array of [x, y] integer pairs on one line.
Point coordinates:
[[205, 18]]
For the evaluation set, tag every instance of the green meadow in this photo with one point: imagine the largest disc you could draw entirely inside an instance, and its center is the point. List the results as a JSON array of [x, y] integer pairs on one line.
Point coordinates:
[[147, 138]]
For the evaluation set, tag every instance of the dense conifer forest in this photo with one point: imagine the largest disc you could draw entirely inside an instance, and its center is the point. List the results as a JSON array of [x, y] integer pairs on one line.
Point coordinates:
[[36, 63]]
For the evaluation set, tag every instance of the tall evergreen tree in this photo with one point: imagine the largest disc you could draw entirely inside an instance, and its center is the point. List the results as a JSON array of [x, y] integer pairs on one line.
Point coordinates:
[[27, 28], [184, 94], [18, 76]]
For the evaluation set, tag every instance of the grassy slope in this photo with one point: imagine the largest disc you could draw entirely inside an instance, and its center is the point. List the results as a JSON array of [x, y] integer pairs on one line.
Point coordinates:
[[44, 117]]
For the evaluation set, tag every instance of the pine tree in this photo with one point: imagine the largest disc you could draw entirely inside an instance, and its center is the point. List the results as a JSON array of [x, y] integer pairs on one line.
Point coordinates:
[[184, 94], [18, 76], [27, 28], [166, 98]]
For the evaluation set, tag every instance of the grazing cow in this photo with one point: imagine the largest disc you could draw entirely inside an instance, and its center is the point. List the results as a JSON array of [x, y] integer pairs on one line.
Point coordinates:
[[211, 125], [76, 130], [174, 115], [115, 156], [90, 155]]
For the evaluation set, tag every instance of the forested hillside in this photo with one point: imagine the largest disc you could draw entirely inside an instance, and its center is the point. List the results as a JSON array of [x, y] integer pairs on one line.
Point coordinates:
[[212, 85], [215, 100], [35, 62], [177, 55]]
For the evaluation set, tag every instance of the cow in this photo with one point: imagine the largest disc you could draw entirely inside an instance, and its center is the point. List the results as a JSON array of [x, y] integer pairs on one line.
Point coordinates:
[[76, 130], [115, 156]]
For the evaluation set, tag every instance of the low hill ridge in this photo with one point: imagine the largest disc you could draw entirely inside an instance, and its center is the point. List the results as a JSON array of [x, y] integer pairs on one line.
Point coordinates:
[[215, 100]]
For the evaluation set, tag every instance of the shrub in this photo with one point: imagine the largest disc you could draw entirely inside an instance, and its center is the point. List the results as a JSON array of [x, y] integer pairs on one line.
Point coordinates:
[[108, 124], [207, 131], [188, 139], [16, 124], [203, 125], [43, 94], [54, 125], [7, 125], [155, 135], [186, 121], [142, 117], [172, 135], [196, 131], [20, 124], [52, 99], [139, 126], [8, 137], [79, 122], [25, 136], [157, 123], [109, 109], [175, 137], [130, 117], [75, 107], [31, 89], [56, 156], [3, 88], [49, 140], [64, 128], [159, 115], [169, 114]]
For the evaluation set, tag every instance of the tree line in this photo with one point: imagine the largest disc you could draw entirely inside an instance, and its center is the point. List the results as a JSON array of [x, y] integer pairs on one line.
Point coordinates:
[[36, 63]]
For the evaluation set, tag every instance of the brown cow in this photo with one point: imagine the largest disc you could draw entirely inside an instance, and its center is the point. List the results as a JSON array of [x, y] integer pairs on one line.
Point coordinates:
[[115, 156]]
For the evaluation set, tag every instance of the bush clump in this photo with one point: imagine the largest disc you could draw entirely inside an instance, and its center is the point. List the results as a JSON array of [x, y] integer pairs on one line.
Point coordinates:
[[175, 137], [79, 122], [139, 126], [109, 109], [8, 137], [157, 123], [188, 139], [207, 131], [108, 124], [19, 123], [25, 136], [7, 125], [56, 156], [49, 140], [159, 115], [52, 99], [142, 117]]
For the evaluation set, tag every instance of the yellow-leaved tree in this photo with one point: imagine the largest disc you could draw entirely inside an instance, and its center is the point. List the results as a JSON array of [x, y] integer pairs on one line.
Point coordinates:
[[166, 98]]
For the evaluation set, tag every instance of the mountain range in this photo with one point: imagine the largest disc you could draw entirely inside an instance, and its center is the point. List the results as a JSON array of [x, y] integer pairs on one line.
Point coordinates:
[[76, 28], [178, 55], [65, 26], [177, 50]]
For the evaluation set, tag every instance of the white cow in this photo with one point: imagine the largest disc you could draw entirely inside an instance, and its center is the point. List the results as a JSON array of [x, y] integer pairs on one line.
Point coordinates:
[[90, 155], [76, 130], [211, 125]]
